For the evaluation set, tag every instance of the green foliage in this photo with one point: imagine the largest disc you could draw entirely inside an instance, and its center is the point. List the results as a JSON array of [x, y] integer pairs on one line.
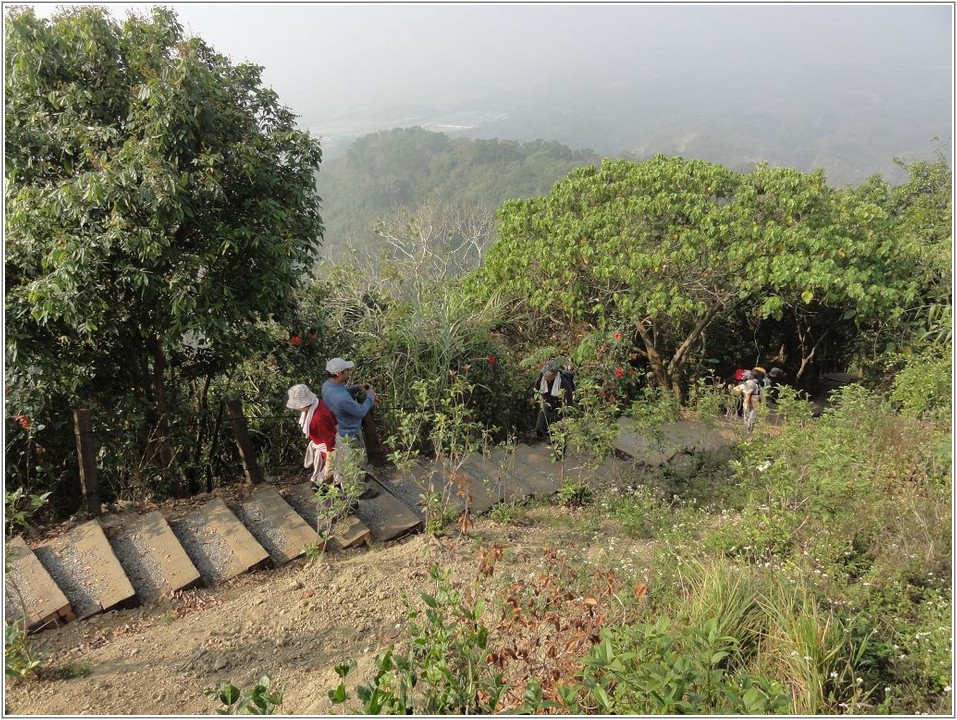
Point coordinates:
[[923, 387], [661, 248], [18, 658], [850, 515], [336, 500], [588, 427], [507, 513], [72, 670], [445, 670], [440, 336], [19, 508], [263, 698], [575, 493], [923, 210], [443, 422], [651, 670], [159, 202]]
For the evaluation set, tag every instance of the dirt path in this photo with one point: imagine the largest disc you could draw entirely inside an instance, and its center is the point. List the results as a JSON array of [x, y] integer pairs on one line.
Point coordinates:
[[294, 623]]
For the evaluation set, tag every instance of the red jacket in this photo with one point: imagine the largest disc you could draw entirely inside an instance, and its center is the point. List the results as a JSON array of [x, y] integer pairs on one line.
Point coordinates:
[[322, 428]]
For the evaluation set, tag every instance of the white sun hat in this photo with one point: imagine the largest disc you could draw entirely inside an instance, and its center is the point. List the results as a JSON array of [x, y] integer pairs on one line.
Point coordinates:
[[300, 396]]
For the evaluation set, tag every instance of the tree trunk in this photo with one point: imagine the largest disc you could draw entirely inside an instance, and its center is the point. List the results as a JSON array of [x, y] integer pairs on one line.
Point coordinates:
[[667, 375], [807, 357], [658, 368], [158, 449]]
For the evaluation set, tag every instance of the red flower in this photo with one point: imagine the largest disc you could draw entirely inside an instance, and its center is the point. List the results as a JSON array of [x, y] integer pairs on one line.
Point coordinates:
[[619, 372], [491, 359], [24, 421], [295, 339], [617, 336]]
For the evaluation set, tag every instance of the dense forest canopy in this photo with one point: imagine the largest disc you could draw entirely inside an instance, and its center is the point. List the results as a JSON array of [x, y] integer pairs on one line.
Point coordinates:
[[164, 218], [409, 169], [162, 236], [159, 200]]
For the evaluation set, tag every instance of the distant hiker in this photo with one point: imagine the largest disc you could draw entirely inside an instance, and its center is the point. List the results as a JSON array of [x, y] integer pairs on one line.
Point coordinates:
[[750, 391], [349, 405], [555, 391], [776, 377], [318, 424]]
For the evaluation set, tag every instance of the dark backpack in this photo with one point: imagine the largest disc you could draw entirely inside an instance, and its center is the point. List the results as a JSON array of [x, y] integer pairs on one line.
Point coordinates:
[[568, 382]]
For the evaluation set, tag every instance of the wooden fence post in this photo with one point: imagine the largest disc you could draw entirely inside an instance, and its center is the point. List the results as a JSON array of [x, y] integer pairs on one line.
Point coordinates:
[[86, 452], [375, 450], [246, 450]]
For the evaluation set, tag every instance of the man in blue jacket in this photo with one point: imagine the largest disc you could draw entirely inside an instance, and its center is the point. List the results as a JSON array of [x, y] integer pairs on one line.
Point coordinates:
[[349, 411]]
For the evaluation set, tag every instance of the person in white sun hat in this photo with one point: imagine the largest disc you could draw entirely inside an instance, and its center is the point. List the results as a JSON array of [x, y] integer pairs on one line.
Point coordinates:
[[318, 424], [349, 407]]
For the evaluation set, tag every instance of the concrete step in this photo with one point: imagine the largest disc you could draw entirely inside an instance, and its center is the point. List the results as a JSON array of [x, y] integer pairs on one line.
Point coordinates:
[[533, 474], [386, 516], [422, 479], [682, 436], [468, 480], [152, 556], [638, 444], [275, 524], [218, 543], [30, 591], [347, 533], [84, 566]]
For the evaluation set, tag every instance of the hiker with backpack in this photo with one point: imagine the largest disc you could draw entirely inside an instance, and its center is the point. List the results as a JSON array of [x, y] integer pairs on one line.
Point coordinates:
[[554, 390], [750, 391]]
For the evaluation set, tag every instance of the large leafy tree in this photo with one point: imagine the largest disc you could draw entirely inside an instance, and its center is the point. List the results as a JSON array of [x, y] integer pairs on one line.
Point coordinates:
[[159, 200], [922, 210], [668, 245]]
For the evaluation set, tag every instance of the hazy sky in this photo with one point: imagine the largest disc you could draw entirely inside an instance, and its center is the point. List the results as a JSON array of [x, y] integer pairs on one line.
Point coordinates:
[[326, 59]]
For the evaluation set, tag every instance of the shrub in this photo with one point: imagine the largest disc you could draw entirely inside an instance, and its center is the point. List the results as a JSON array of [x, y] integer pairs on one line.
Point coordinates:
[[445, 670], [923, 387], [263, 698], [648, 669]]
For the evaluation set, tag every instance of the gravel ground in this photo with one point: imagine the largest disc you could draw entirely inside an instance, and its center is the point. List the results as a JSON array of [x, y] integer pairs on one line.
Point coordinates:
[[73, 570], [264, 528], [137, 559], [208, 551]]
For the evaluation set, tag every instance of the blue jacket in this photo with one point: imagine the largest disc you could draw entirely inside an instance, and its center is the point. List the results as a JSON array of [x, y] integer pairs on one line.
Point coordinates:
[[348, 412]]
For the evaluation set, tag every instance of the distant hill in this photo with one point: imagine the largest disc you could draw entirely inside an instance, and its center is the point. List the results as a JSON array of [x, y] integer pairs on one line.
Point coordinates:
[[408, 168], [852, 123]]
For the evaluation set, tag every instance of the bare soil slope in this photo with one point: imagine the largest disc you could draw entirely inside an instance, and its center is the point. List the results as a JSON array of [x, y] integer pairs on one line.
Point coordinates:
[[293, 623]]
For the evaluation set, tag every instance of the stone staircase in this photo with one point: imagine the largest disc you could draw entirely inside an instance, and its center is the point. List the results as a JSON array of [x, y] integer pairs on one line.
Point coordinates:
[[115, 562]]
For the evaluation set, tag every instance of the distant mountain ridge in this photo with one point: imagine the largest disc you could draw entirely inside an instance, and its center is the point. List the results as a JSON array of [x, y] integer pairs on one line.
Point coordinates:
[[455, 152], [851, 123]]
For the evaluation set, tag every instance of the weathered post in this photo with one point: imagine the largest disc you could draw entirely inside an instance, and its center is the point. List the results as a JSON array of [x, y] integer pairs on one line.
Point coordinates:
[[86, 452], [375, 450], [246, 450]]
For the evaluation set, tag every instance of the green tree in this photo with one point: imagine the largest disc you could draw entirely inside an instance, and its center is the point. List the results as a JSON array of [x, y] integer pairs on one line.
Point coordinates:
[[668, 245], [159, 201], [828, 264], [923, 211]]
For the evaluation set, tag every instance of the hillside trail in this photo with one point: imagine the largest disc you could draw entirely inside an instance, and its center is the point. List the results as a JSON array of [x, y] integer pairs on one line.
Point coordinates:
[[293, 623], [296, 622]]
